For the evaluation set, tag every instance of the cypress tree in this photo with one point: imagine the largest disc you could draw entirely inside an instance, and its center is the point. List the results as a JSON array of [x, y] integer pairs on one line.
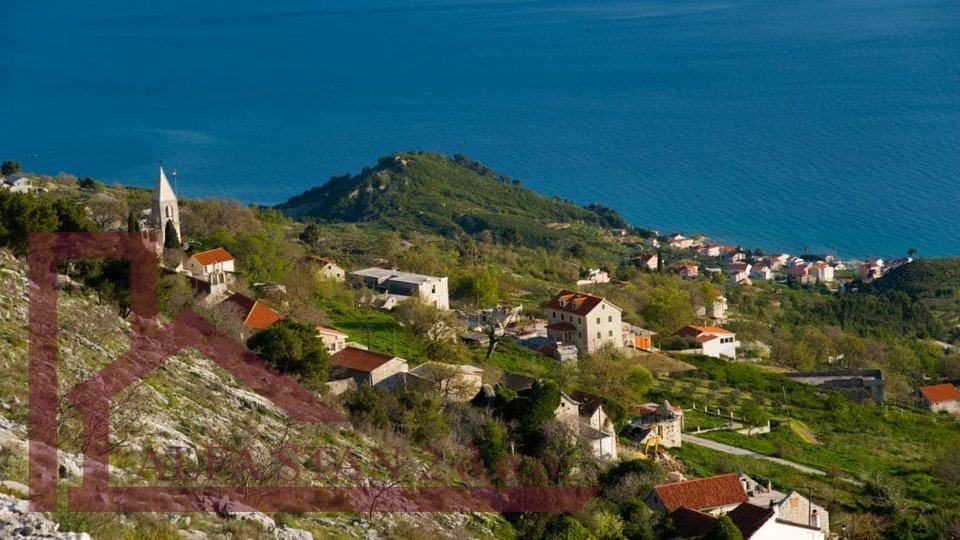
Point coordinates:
[[170, 238]]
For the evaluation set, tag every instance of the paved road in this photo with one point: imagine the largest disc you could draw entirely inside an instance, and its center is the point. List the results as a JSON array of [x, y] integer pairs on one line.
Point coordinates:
[[727, 449]]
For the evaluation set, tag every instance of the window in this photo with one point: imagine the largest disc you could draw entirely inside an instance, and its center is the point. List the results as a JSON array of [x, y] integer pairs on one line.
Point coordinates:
[[169, 212], [610, 318], [598, 335], [611, 333], [598, 320]]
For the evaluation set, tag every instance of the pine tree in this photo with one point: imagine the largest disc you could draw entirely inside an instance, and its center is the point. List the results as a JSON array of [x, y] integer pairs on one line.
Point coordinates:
[[171, 239]]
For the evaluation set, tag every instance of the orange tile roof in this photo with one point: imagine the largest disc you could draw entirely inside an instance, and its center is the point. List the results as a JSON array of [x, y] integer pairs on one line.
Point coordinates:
[[939, 393], [695, 331], [256, 315], [212, 256], [325, 330], [359, 359], [702, 493]]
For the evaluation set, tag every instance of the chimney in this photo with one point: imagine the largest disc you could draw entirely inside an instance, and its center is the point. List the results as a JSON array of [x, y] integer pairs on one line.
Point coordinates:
[[815, 519]]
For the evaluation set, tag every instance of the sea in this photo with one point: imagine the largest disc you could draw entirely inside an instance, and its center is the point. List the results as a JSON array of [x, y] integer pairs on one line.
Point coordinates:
[[826, 125]]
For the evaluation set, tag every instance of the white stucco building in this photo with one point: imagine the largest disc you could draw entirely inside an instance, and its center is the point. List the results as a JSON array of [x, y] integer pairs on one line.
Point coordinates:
[[432, 290]]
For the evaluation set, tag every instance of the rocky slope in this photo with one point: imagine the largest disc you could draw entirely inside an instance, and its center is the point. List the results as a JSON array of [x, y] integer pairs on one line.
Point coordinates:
[[188, 402]]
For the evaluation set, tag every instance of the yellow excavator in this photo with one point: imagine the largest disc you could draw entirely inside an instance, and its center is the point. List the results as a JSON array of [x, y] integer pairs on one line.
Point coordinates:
[[655, 443]]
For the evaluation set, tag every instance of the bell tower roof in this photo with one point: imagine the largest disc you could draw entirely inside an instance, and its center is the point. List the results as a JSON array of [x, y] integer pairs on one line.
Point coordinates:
[[163, 191]]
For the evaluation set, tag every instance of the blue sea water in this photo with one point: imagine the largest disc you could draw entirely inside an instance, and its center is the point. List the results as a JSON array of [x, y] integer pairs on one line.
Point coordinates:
[[781, 123]]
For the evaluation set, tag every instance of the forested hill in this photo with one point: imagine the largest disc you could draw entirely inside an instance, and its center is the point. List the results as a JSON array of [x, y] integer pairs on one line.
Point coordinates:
[[933, 282], [924, 278], [448, 196]]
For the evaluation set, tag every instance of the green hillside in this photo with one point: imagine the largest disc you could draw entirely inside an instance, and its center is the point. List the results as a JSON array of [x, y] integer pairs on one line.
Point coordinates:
[[426, 192], [934, 282], [924, 278]]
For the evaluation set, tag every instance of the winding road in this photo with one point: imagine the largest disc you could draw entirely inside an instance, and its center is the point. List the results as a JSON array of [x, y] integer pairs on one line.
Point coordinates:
[[733, 450]]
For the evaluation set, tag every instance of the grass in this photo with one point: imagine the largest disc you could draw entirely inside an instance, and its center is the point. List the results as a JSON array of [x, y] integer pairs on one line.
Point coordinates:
[[898, 445]]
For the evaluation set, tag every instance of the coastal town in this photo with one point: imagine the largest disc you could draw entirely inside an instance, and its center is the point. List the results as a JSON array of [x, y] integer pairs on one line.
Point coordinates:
[[585, 326]]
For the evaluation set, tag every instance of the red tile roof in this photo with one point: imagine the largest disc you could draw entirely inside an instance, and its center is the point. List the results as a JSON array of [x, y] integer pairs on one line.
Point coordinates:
[[705, 338], [589, 403], [939, 393], [212, 256], [702, 493], [325, 330], [575, 302], [562, 327], [749, 518], [694, 331], [359, 359], [322, 260], [689, 523], [256, 315]]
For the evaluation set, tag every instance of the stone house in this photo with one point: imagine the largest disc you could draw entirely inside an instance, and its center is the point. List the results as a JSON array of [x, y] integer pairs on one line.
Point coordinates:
[[753, 522], [583, 413], [791, 507], [939, 398], [584, 320], [711, 495], [367, 367], [327, 268], [455, 382], [657, 420]]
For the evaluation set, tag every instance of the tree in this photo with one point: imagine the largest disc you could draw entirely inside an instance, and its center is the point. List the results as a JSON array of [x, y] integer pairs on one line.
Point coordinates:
[[605, 373], [292, 347], [723, 529], [9, 167], [667, 309], [911, 252], [490, 438], [427, 321], [133, 224], [512, 237], [107, 211], [170, 237]]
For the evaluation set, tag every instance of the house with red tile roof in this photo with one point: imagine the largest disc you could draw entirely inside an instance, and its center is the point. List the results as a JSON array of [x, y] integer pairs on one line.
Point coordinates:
[[215, 266], [940, 398], [713, 495], [367, 367], [210, 261], [822, 271], [255, 314], [333, 340], [584, 320], [686, 270], [753, 522], [712, 340], [650, 261]]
